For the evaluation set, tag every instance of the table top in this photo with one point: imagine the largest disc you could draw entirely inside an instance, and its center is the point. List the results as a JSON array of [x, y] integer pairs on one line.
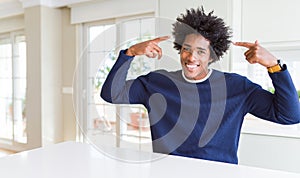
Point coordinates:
[[81, 160]]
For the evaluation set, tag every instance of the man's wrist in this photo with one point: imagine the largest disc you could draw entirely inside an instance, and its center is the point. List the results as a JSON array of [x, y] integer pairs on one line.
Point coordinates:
[[129, 52], [275, 68]]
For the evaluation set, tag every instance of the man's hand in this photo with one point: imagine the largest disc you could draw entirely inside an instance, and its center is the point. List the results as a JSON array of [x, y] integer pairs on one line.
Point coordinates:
[[257, 54], [149, 48]]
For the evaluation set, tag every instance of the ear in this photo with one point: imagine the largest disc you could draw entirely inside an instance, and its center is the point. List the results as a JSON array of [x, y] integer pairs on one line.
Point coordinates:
[[210, 61]]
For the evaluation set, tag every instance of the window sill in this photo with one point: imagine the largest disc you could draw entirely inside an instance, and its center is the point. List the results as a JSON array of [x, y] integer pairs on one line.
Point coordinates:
[[254, 125]]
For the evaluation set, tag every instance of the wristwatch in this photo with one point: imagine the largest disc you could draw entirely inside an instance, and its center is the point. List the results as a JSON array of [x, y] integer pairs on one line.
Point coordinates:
[[276, 68]]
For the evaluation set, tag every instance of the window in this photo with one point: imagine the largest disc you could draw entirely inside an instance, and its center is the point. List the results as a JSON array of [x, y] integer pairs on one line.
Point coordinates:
[[288, 52], [13, 87], [281, 43], [115, 125]]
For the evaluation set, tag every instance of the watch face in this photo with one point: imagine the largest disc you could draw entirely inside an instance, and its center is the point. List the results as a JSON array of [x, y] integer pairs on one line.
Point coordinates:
[[279, 62]]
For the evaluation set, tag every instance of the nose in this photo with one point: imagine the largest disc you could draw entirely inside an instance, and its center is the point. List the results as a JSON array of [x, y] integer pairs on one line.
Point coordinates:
[[192, 55]]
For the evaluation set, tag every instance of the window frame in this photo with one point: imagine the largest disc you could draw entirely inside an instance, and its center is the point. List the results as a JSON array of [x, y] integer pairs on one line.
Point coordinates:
[[82, 106], [6, 142], [254, 125]]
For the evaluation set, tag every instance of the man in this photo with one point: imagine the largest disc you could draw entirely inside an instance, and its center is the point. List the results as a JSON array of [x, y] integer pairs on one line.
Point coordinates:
[[197, 111]]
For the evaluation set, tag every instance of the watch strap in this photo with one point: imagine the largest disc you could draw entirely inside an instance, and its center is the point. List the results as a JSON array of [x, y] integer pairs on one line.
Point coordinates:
[[276, 68]]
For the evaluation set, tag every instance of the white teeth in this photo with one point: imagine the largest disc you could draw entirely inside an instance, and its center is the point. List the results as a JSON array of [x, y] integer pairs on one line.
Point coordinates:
[[191, 66]]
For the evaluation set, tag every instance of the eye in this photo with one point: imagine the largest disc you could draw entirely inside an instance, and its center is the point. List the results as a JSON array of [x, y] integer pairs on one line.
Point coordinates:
[[186, 49], [200, 52]]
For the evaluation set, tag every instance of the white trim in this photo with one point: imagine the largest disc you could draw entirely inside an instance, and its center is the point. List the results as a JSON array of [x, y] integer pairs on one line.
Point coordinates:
[[32, 3], [61, 3], [8, 9], [10, 24], [282, 45], [50, 3], [89, 12]]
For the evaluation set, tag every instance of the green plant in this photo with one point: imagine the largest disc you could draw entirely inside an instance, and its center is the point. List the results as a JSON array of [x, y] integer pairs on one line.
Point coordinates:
[[272, 90], [138, 66], [104, 70]]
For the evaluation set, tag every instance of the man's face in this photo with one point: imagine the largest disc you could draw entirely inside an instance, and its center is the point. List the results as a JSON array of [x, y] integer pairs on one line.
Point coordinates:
[[195, 56]]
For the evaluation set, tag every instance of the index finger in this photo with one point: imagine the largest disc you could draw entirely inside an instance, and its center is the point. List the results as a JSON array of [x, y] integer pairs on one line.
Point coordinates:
[[160, 39], [244, 44]]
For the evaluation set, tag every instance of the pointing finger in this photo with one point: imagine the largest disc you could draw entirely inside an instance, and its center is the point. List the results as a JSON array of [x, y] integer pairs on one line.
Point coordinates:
[[160, 39], [245, 44]]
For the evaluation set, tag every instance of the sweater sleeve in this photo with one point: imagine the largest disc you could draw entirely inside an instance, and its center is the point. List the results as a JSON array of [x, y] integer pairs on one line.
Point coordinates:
[[116, 89], [281, 107]]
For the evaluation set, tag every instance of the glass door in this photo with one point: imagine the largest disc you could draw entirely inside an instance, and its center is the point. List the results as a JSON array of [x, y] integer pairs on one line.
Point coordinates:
[[13, 88], [115, 125]]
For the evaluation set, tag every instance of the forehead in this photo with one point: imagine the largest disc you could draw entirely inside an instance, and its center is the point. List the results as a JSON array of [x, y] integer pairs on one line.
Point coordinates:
[[196, 40]]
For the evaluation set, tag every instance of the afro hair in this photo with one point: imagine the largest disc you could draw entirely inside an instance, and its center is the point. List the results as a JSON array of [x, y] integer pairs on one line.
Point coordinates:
[[214, 29]]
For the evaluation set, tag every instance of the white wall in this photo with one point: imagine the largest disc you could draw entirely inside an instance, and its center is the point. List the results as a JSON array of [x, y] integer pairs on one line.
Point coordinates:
[[68, 67], [33, 93], [272, 23], [44, 99], [51, 35], [267, 151]]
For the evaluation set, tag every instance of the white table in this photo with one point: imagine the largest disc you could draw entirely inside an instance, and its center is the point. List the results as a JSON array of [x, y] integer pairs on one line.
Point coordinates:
[[78, 160]]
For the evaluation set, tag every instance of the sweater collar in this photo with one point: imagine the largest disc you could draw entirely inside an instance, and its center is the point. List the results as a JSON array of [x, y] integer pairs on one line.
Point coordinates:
[[197, 81]]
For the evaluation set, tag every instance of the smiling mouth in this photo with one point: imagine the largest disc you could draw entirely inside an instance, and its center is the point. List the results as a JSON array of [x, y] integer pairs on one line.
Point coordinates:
[[191, 66]]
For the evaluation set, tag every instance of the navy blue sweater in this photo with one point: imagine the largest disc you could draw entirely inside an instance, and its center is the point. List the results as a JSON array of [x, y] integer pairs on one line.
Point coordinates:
[[201, 120]]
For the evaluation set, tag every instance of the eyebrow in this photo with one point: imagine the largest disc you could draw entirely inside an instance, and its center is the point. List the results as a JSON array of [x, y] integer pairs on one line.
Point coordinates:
[[187, 45]]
